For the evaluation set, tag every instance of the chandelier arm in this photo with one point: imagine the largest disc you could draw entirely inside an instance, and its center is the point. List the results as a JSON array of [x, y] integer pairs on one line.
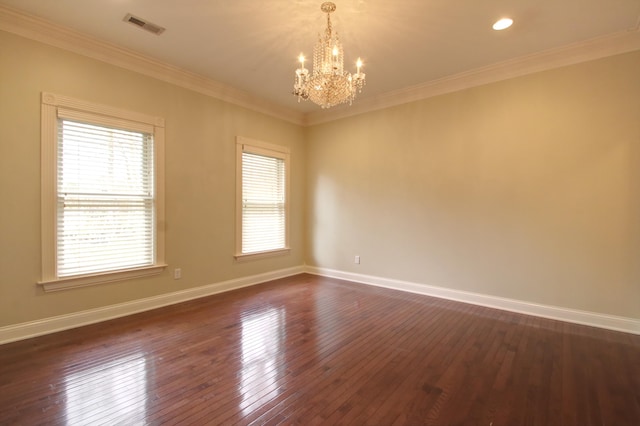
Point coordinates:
[[328, 84]]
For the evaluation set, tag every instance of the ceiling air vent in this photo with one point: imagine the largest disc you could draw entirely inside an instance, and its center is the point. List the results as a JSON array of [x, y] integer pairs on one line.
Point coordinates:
[[145, 25]]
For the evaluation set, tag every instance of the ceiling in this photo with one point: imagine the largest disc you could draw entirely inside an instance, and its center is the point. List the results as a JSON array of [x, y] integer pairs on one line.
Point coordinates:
[[253, 45]]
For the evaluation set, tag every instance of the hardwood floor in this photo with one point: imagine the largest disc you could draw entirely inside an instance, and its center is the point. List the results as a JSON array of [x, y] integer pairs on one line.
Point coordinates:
[[310, 350]]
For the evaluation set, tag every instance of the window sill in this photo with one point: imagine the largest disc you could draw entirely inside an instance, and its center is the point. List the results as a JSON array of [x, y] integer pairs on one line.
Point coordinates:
[[261, 254], [93, 279]]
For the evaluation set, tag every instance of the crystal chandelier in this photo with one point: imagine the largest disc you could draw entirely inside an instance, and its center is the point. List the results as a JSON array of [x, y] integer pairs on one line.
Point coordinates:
[[328, 84]]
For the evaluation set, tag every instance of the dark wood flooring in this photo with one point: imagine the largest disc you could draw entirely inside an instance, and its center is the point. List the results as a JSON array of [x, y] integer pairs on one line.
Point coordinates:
[[309, 350]]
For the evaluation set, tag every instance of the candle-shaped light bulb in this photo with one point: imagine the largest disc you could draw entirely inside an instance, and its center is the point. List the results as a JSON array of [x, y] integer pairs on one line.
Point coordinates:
[[301, 59], [358, 65], [335, 51]]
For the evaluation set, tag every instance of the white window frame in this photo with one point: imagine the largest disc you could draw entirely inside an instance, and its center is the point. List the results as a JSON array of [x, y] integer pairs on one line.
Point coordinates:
[[253, 146], [102, 115]]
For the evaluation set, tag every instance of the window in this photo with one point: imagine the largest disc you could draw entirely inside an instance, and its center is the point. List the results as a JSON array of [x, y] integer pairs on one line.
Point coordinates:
[[262, 197], [102, 193]]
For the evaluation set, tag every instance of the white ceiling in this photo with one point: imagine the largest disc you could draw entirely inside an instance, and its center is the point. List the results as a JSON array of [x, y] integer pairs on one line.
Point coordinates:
[[253, 45]]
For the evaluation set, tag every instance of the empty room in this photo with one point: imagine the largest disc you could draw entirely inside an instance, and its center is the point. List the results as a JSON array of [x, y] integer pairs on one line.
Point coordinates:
[[358, 212]]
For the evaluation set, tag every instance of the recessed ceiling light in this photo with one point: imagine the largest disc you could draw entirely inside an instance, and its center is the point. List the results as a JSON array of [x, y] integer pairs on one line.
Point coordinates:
[[502, 24]]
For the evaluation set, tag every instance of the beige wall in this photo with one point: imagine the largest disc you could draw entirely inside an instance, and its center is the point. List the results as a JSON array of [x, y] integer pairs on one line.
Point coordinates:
[[200, 178], [526, 189]]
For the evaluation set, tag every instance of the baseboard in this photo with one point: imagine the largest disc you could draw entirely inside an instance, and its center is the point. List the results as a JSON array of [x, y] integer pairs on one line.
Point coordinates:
[[610, 322], [64, 322]]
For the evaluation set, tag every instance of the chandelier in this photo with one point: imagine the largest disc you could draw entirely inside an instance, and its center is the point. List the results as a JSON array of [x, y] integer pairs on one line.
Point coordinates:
[[328, 84]]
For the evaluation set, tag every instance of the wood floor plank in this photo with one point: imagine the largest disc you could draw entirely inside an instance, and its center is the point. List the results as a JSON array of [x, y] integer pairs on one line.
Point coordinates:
[[310, 350]]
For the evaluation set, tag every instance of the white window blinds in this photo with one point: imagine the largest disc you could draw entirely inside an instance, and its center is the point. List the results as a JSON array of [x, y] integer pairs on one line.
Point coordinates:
[[105, 198], [263, 203]]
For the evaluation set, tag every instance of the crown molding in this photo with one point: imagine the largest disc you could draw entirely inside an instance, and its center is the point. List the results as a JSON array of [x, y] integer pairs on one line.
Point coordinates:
[[592, 49], [38, 29], [43, 31]]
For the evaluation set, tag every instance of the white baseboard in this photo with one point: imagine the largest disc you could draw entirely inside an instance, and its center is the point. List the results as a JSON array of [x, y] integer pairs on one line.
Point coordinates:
[[64, 322], [611, 322]]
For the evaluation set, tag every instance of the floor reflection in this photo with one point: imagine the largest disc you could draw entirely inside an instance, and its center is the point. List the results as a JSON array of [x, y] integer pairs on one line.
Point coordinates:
[[263, 335], [108, 393]]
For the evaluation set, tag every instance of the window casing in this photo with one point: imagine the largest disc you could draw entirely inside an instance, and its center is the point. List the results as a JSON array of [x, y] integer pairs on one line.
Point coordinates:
[[262, 186], [102, 193]]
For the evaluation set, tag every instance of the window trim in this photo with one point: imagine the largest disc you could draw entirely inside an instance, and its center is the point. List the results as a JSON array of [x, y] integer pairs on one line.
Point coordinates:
[[50, 104], [254, 146]]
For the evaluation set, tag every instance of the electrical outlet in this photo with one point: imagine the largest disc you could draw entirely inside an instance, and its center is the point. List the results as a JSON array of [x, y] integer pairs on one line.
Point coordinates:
[[177, 274], [357, 260]]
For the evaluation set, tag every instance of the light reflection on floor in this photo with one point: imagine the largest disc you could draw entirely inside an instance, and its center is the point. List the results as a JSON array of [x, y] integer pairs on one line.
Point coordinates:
[[108, 393], [262, 339]]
